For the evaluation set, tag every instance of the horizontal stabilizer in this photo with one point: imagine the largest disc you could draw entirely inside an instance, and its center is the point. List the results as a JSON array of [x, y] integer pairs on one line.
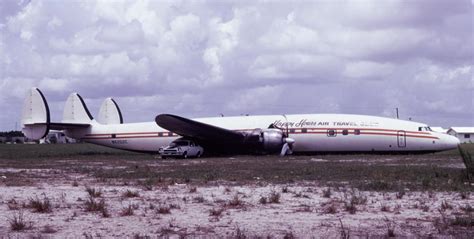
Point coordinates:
[[110, 113]]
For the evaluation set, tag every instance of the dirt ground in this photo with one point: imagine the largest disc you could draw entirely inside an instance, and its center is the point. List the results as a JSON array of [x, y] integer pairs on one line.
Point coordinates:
[[87, 192]]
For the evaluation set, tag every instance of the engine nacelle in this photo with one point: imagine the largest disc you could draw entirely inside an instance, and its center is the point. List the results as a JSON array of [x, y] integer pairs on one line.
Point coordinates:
[[272, 140], [266, 140]]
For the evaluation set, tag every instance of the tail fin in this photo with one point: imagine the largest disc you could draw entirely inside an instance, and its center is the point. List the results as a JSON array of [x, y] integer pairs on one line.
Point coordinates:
[[35, 116], [110, 113], [75, 110]]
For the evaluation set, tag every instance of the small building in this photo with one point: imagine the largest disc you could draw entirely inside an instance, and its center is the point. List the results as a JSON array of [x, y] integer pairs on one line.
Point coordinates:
[[3, 140], [17, 140], [464, 134], [439, 129]]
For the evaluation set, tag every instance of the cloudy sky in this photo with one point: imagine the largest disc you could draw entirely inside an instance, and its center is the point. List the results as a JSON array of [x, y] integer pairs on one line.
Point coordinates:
[[204, 58]]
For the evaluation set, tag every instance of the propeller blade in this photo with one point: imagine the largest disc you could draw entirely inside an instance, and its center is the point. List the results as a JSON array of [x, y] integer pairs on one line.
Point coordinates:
[[285, 149]]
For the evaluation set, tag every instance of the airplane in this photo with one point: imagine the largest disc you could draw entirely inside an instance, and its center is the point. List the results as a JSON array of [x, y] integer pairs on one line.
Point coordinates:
[[267, 134]]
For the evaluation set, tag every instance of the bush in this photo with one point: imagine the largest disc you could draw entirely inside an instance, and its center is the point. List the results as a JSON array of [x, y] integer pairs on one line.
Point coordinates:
[[192, 190], [350, 207], [216, 212], [235, 202], [19, 223], [385, 208], [327, 193], [274, 197], [93, 192], [445, 205], [400, 194], [91, 205], [163, 209], [358, 199], [130, 194], [127, 211], [331, 209], [198, 199], [41, 206]]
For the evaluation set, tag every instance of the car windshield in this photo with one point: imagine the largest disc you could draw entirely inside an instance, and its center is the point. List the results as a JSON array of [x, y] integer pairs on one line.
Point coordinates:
[[179, 143]]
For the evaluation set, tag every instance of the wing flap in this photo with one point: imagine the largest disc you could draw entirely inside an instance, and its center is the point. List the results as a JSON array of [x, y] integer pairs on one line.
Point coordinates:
[[197, 130]]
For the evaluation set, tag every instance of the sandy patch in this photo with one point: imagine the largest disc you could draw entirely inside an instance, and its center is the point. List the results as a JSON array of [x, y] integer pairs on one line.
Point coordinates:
[[302, 211]]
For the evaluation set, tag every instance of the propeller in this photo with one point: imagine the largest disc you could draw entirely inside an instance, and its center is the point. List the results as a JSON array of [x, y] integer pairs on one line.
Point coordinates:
[[287, 147]]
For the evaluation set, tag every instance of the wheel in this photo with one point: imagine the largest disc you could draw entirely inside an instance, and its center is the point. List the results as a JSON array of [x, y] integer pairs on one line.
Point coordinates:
[[185, 155], [198, 154], [163, 157]]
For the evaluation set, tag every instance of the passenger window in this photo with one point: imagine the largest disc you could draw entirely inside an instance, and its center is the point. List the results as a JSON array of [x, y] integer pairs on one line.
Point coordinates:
[[114, 136], [304, 130], [331, 133], [345, 132], [160, 134], [357, 132], [170, 134]]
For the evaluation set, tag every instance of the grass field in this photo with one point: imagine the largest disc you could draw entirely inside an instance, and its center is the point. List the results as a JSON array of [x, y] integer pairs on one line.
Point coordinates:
[[439, 171], [83, 190]]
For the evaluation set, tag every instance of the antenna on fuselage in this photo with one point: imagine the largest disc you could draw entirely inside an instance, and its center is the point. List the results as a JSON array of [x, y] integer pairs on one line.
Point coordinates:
[[396, 109]]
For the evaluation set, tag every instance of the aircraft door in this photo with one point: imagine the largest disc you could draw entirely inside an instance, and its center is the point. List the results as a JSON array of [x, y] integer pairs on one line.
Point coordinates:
[[402, 139]]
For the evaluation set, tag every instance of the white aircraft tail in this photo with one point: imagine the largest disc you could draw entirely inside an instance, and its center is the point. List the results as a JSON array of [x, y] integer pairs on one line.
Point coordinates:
[[75, 111], [36, 121], [110, 113], [35, 116]]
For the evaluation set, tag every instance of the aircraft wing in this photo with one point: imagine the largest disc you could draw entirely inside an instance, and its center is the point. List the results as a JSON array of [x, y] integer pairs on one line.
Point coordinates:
[[194, 129]]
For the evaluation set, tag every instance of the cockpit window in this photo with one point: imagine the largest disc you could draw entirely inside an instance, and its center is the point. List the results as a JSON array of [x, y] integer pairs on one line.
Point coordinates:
[[424, 129]]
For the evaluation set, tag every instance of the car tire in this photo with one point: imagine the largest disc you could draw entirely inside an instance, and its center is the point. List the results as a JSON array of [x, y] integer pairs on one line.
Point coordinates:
[[198, 155], [163, 157], [185, 155]]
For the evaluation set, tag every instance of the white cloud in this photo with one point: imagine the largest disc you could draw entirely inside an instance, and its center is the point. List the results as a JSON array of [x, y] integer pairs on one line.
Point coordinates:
[[443, 77], [253, 99], [367, 69], [54, 23], [241, 57]]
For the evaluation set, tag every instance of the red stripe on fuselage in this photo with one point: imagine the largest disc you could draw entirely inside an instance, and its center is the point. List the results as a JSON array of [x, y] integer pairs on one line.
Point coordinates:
[[309, 131]]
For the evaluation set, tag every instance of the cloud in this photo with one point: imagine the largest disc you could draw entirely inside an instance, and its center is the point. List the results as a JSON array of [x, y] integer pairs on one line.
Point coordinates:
[[367, 70], [205, 58]]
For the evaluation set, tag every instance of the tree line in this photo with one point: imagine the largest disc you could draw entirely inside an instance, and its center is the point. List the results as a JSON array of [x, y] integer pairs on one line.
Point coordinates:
[[11, 134]]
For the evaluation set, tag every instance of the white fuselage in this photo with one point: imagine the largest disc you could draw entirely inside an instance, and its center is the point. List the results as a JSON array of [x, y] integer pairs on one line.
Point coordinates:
[[311, 132]]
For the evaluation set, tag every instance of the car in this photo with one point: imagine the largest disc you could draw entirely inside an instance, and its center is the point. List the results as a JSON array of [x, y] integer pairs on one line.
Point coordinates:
[[181, 148]]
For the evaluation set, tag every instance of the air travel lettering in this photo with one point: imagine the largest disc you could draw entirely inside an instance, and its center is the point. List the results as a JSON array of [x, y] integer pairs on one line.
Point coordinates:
[[307, 123]]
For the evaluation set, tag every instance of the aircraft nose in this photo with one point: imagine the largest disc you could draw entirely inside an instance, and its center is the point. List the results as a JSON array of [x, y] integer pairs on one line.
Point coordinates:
[[451, 142]]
